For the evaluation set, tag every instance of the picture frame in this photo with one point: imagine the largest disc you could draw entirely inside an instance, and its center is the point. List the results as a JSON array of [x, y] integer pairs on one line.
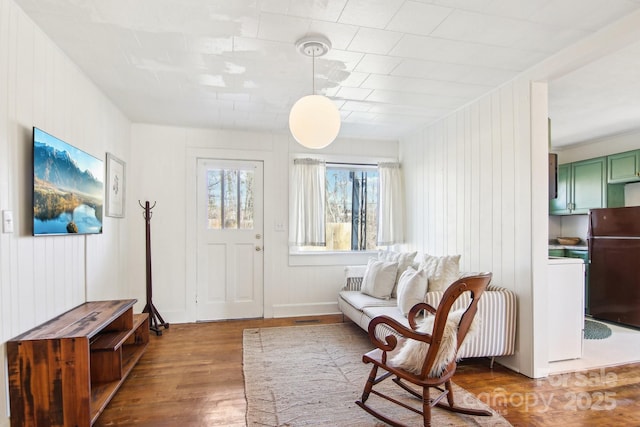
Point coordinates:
[[115, 187]]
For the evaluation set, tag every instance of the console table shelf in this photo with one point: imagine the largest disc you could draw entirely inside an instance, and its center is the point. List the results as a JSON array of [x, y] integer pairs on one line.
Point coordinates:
[[65, 371]]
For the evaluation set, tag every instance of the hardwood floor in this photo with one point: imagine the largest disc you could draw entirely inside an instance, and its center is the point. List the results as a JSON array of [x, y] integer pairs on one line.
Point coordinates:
[[192, 376]]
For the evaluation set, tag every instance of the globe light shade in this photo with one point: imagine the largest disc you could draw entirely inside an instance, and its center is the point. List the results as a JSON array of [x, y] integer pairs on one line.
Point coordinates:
[[314, 121]]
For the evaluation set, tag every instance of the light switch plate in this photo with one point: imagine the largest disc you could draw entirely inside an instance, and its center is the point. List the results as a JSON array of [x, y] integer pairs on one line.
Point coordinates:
[[7, 221]]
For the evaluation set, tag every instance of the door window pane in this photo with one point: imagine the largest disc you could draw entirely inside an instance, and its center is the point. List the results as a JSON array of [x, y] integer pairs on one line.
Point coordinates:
[[230, 199], [246, 200]]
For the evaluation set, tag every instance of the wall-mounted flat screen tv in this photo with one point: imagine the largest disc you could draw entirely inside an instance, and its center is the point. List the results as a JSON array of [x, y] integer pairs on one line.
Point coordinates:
[[68, 188]]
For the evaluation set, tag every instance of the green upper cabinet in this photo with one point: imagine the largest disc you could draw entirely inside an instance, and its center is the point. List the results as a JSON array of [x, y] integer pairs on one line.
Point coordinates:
[[582, 186], [589, 188], [560, 205], [624, 167]]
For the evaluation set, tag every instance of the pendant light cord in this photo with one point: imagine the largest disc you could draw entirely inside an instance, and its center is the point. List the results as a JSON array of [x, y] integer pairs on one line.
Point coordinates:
[[313, 73]]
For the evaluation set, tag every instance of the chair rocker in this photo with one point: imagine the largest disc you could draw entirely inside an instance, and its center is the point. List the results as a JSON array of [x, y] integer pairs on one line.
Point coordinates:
[[381, 356]]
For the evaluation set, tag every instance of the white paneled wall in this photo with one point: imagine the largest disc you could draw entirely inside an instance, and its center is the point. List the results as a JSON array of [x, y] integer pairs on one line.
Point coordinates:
[[41, 277], [469, 191], [460, 176], [162, 170]]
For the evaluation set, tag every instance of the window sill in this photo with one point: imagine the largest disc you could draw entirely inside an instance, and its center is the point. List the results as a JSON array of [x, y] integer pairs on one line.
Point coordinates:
[[312, 258]]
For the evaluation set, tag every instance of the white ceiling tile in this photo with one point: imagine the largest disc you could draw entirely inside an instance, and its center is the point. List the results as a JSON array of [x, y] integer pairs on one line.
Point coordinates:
[[433, 87], [453, 72], [415, 99], [326, 10], [475, 5], [282, 28], [404, 110], [370, 13], [378, 64], [520, 9], [354, 79], [344, 59], [582, 14], [352, 93], [507, 32], [247, 105], [369, 40], [457, 52], [361, 116], [418, 18], [209, 45], [275, 6], [356, 106], [344, 115], [340, 35]]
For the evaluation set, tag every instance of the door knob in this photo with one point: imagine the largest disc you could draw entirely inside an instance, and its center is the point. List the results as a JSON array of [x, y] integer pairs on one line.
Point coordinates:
[[258, 236], [258, 248]]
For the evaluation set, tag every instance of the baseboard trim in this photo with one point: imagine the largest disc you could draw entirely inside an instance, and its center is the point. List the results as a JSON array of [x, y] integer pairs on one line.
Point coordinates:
[[295, 310]]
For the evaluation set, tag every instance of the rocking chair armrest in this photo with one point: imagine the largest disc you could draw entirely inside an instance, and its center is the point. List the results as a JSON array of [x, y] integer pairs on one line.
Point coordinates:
[[417, 309], [391, 341]]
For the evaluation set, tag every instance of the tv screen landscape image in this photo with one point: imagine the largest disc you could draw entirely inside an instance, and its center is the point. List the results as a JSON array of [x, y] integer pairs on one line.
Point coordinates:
[[68, 189]]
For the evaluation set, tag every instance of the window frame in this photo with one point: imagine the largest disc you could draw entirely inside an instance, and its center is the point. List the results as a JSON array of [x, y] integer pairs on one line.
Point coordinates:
[[310, 257]]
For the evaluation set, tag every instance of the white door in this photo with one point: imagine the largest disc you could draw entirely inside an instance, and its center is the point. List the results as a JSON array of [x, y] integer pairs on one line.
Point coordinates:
[[230, 236]]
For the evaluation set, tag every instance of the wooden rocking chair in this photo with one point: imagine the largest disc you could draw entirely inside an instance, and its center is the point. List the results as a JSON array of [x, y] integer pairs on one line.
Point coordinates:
[[382, 355]]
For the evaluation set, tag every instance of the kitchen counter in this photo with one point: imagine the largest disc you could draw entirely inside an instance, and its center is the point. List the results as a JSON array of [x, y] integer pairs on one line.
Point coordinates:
[[572, 247]]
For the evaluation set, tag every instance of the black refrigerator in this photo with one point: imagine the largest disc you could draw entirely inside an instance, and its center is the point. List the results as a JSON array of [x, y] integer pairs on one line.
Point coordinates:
[[614, 265]]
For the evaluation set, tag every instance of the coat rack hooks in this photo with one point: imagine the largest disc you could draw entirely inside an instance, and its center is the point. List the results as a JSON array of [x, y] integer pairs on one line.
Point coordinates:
[[155, 319]]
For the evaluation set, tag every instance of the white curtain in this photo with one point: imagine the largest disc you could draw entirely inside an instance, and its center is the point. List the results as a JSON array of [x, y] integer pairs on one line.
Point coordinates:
[[390, 205], [307, 203]]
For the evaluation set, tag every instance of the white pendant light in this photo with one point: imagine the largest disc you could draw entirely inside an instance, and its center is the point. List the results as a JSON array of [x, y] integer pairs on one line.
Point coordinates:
[[314, 120]]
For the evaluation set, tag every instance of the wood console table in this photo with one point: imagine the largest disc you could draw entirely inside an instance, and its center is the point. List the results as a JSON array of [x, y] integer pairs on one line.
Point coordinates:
[[65, 371]]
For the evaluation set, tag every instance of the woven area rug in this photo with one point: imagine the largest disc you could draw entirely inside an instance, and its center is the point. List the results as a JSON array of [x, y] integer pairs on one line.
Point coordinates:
[[312, 376]]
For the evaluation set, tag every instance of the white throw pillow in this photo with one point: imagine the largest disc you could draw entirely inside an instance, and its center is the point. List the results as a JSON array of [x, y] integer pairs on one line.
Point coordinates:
[[411, 289], [404, 260], [379, 278], [442, 271], [413, 353]]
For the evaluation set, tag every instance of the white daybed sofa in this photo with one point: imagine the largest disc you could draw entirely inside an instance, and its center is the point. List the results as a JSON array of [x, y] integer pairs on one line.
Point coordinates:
[[496, 313]]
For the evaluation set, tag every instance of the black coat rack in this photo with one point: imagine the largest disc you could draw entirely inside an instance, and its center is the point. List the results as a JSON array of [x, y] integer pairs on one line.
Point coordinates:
[[155, 319]]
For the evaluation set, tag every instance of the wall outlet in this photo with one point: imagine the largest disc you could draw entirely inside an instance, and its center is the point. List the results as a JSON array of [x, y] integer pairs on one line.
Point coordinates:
[[279, 226], [7, 221]]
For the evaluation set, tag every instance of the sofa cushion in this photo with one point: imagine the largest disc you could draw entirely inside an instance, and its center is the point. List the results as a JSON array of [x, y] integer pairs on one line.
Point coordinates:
[[391, 312], [359, 301], [412, 287], [379, 278], [404, 260], [442, 271]]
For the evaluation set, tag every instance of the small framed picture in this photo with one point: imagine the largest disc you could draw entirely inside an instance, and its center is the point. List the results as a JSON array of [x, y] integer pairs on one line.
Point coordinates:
[[116, 183]]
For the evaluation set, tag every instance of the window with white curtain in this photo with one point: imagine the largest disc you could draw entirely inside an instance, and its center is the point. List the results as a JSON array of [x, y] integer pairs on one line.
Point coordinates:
[[307, 201], [343, 206], [391, 224]]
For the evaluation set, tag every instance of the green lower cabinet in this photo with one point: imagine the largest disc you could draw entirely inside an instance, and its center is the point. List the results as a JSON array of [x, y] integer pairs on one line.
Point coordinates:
[[556, 252]]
